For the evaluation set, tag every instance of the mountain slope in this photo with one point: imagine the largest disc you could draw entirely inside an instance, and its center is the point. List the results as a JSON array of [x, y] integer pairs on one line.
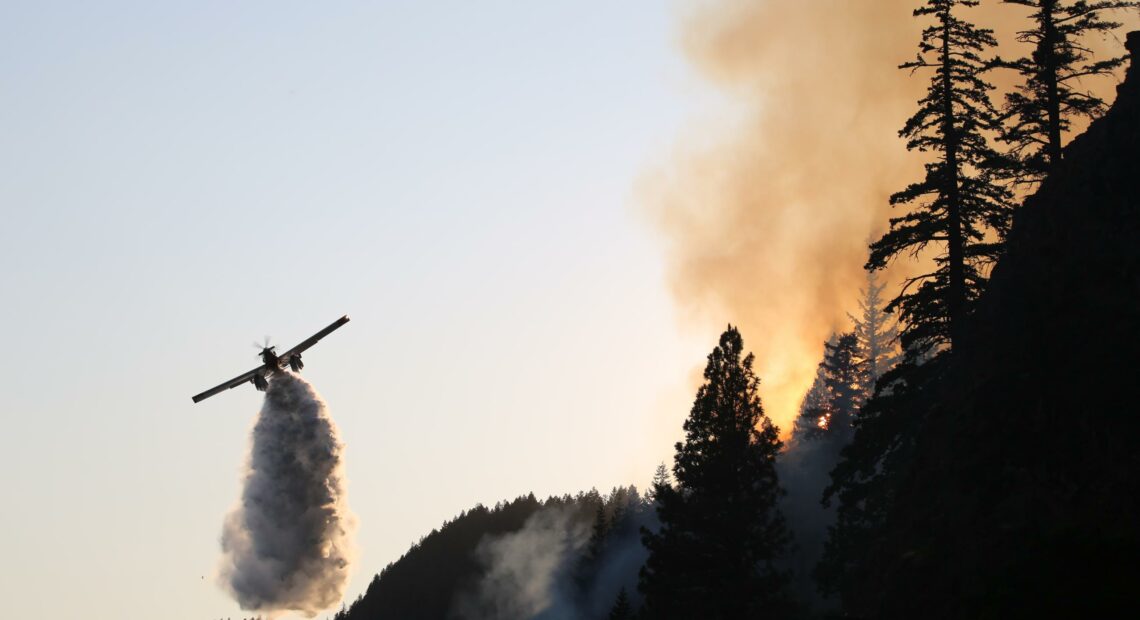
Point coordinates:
[[1024, 492]]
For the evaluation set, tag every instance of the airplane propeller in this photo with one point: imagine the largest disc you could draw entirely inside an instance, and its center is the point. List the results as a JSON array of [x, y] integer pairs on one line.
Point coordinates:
[[262, 347]]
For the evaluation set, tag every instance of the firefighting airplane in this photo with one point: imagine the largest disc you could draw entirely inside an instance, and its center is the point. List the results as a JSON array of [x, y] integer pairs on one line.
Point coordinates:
[[273, 363]]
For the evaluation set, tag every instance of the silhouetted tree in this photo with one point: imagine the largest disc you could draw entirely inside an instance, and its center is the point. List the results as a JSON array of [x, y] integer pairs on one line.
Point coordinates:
[[587, 564], [720, 528], [623, 506], [836, 394], [814, 412], [957, 202], [822, 430], [420, 585], [1001, 481], [622, 609], [424, 583], [1043, 105], [877, 334], [880, 453], [661, 482], [845, 384]]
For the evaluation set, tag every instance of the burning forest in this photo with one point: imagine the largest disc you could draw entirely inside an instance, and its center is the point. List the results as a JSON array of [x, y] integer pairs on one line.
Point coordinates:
[[850, 290], [924, 429]]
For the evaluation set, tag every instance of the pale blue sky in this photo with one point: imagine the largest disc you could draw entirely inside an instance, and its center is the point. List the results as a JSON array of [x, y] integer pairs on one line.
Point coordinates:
[[180, 179]]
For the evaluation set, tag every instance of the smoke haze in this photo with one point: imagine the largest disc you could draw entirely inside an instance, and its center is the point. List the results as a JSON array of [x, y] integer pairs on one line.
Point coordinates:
[[766, 222], [288, 544], [804, 469], [537, 572], [527, 573]]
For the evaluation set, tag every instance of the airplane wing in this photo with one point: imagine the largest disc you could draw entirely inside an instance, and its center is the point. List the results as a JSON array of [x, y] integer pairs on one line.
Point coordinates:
[[314, 339], [232, 383]]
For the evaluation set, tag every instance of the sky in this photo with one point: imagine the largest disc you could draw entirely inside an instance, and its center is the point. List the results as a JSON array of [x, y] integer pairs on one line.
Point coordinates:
[[539, 216], [182, 179]]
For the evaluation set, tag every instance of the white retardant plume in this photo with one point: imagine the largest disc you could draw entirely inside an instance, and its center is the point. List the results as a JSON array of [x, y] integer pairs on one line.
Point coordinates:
[[288, 544]]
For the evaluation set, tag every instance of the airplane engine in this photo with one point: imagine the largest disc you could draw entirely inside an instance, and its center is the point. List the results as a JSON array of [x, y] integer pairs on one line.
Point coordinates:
[[295, 363]]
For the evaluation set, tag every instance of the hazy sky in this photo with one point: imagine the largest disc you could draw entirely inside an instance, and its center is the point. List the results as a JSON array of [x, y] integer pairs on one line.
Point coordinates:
[[180, 179]]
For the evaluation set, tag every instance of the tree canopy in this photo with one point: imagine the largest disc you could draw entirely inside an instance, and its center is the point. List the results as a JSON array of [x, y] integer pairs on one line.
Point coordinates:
[[1052, 93], [721, 531], [958, 207]]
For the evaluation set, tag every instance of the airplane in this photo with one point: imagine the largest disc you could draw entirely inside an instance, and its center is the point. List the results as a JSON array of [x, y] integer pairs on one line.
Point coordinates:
[[272, 363]]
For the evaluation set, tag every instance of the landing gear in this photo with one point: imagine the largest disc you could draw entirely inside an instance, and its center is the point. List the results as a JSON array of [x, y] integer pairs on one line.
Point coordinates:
[[295, 363], [260, 383]]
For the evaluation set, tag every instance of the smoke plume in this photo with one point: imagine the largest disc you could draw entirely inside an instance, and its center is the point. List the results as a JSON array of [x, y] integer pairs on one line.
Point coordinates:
[[804, 469], [767, 221], [618, 568], [288, 545], [537, 572], [527, 573]]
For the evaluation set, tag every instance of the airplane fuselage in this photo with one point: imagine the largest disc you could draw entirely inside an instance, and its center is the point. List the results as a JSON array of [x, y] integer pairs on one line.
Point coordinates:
[[270, 359], [272, 363]]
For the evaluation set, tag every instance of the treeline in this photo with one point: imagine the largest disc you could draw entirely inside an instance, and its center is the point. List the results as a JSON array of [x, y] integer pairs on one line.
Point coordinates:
[[446, 564]]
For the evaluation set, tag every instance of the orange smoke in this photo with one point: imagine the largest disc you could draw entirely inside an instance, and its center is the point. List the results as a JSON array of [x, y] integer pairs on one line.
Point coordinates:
[[767, 222]]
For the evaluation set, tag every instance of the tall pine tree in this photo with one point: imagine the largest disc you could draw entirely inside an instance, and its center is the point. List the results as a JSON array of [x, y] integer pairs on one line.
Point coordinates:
[[845, 383], [661, 483], [839, 390], [957, 207], [622, 610], [815, 408], [877, 333], [1042, 108], [721, 532]]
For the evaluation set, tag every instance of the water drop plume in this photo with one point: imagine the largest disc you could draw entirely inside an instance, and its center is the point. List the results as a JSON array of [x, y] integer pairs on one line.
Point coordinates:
[[287, 546]]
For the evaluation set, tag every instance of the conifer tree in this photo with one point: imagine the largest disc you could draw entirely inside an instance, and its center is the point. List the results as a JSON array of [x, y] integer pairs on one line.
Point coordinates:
[[837, 393], [621, 609], [661, 482], [876, 332], [1051, 96], [814, 408], [598, 534], [881, 453], [845, 384], [588, 562], [623, 506], [721, 531], [957, 203]]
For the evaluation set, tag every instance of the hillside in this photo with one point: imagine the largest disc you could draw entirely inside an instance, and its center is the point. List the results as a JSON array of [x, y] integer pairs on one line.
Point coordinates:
[[1023, 491], [445, 574]]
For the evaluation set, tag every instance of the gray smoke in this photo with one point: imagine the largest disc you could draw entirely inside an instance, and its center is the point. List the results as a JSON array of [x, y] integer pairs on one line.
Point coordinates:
[[288, 544], [526, 572], [622, 558], [535, 573], [804, 469]]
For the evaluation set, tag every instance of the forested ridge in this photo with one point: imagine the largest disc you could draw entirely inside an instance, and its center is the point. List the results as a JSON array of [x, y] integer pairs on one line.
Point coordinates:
[[968, 449], [449, 563], [1021, 497]]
